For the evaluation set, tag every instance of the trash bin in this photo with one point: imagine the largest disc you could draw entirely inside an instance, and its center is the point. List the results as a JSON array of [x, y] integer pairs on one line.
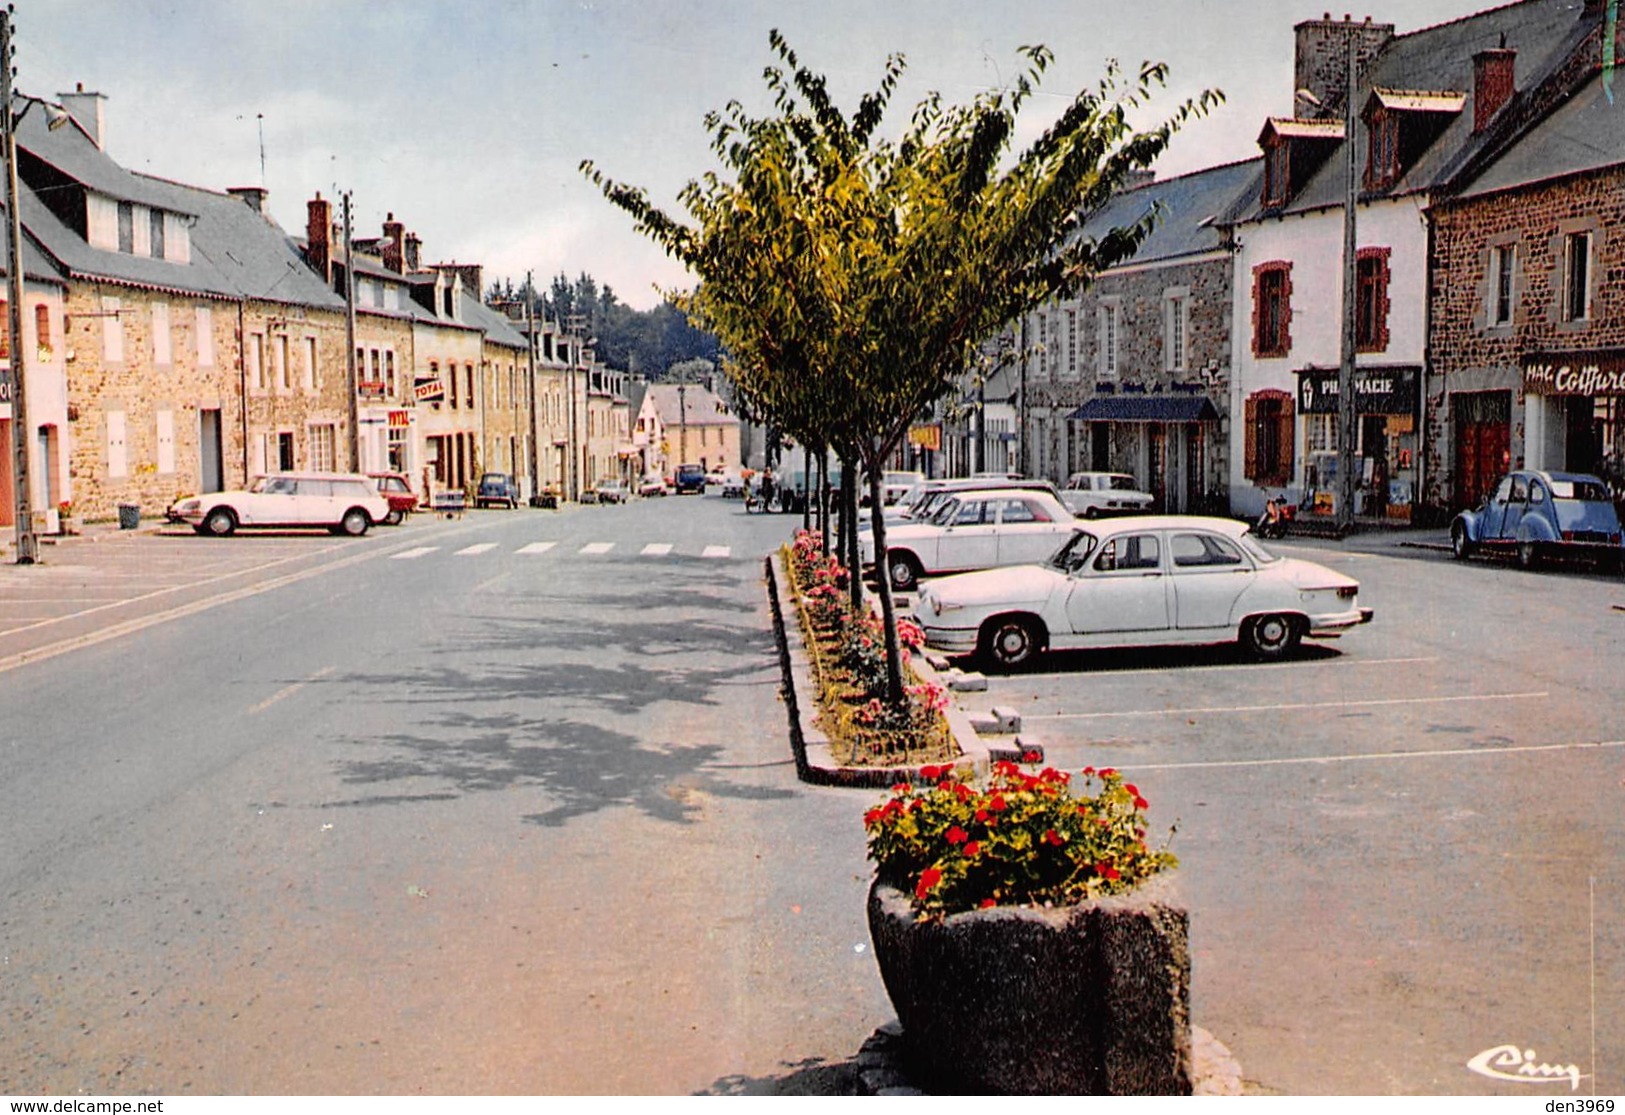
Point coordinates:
[[129, 516]]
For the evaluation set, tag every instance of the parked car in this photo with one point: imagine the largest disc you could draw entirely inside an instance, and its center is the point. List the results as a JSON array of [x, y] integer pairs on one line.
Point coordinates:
[[1151, 581], [652, 484], [689, 478], [611, 491], [341, 502], [976, 529], [1537, 515], [397, 490], [1093, 494], [732, 485], [929, 497], [895, 485], [497, 488]]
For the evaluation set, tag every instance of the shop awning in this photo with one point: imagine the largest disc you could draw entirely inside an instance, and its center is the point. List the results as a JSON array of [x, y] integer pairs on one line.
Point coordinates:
[[1146, 408]]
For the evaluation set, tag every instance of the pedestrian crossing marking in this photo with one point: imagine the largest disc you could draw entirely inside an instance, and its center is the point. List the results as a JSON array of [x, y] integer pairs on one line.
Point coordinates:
[[477, 548], [598, 547], [536, 548], [414, 553], [657, 549], [716, 551]]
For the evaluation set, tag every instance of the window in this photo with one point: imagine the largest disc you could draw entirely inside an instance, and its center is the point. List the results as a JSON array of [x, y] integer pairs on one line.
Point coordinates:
[[1108, 339], [1136, 551], [1382, 166], [450, 389], [126, 227], [155, 235], [160, 333], [468, 370], [1072, 342], [1268, 448], [1277, 173], [1176, 322], [1272, 309], [205, 337], [1371, 300], [283, 373], [1502, 261], [1577, 276], [5, 331], [42, 328], [112, 330], [310, 364], [255, 355], [323, 440], [389, 372], [1041, 365]]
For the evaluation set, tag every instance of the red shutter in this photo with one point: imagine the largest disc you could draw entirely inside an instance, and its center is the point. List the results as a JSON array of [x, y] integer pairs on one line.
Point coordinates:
[[1249, 467]]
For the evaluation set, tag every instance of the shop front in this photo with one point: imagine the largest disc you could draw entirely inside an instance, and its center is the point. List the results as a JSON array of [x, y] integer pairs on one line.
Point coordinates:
[[1385, 452], [1575, 413], [1165, 441]]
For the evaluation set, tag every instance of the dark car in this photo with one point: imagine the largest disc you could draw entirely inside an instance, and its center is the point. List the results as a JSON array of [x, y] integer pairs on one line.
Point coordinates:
[[689, 478], [495, 488], [1537, 515], [395, 488]]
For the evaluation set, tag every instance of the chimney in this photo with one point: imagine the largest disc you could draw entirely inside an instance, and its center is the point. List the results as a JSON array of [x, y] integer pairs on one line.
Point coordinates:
[[414, 248], [1493, 84], [472, 274], [252, 196], [392, 245], [89, 109], [318, 234], [1321, 59]]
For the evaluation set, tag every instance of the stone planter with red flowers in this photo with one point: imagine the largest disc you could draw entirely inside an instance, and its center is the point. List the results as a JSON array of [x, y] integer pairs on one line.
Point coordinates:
[[1028, 936]]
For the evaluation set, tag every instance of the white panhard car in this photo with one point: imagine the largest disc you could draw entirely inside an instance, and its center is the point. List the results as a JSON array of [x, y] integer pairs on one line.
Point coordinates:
[[340, 502], [977, 529], [1142, 581]]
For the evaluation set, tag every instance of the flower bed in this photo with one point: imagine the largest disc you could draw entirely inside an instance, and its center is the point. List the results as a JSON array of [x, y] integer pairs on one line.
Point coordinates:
[[847, 654]]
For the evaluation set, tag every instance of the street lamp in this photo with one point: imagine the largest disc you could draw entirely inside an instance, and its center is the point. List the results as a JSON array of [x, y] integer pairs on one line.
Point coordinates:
[[27, 543]]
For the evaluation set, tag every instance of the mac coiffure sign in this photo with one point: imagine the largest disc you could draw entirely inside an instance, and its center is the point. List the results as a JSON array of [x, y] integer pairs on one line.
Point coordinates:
[[1599, 372]]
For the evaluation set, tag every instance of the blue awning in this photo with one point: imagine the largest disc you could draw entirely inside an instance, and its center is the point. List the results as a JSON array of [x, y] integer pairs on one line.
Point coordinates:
[[1146, 408]]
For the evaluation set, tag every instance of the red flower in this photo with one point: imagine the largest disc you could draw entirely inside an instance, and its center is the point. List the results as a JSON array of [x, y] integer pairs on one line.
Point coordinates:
[[873, 815], [1108, 772], [982, 815], [902, 788], [930, 774], [1053, 837], [1107, 871], [989, 902], [929, 878], [997, 804], [1031, 756], [1141, 803], [972, 848], [957, 835], [1088, 770]]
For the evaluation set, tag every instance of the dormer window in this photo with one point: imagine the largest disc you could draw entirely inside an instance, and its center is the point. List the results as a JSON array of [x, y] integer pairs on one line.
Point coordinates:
[[1293, 151], [1278, 172], [1400, 126], [1382, 166]]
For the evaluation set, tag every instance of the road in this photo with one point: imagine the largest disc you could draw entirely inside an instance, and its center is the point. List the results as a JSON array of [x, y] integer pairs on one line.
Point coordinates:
[[504, 805], [1400, 849]]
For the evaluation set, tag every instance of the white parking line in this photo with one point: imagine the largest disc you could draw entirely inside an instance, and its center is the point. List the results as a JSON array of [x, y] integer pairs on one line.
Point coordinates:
[[1286, 707], [716, 551], [1249, 667], [536, 548], [476, 548], [656, 549], [1387, 756], [416, 552], [597, 548]]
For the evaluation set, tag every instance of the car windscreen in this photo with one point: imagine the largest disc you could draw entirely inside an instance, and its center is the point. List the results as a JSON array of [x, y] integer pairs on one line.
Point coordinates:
[[1074, 552]]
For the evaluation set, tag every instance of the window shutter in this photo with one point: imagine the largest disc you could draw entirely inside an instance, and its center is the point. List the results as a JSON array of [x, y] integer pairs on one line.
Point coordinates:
[[1250, 454], [1282, 466]]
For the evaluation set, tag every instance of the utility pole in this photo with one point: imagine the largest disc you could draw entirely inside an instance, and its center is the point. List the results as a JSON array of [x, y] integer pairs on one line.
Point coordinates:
[[682, 423], [530, 346], [352, 374], [27, 543], [575, 322], [1346, 431]]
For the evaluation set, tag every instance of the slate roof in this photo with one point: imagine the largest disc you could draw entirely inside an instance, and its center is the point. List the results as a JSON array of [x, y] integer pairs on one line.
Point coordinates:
[[698, 406], [71, 150], [35, 263], [1190, 204], [498, 328], [1439, 60], [1586, 133]]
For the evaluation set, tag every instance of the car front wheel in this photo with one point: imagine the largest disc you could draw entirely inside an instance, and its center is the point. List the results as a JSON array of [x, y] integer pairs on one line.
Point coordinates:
[[1010, 641], [1271, 637], [1460, 545], [220, 523], [904, 570], [394, 518], [355, 522]]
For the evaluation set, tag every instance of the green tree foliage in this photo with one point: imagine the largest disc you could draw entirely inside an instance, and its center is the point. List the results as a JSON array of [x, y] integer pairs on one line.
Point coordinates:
[[850, 277]]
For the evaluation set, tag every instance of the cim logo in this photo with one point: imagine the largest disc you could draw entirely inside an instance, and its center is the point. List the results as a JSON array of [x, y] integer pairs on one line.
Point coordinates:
[[1519, 1065]]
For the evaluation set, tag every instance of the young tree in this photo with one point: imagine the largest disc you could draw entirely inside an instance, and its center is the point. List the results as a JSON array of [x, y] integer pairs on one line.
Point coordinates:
[[850, 277]]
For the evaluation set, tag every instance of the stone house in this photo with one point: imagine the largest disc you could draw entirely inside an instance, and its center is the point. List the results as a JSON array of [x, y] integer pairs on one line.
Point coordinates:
[[1133, 375], [688, 423], [1528, 324]]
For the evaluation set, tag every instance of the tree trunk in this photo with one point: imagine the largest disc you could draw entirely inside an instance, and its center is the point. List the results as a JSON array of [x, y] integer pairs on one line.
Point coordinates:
[[823, 498], [888, 611], [849, 530]]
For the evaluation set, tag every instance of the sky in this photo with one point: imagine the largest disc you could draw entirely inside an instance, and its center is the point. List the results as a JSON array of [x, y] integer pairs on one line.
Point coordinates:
[[468, 119]]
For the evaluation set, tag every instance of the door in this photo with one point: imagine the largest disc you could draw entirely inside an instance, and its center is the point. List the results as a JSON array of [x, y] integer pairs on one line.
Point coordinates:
[[284, 452], [969, 538], [1209, 575], [8, 492], [1028, 532], [211, 455], [1157, 465], [1513, 510], [1123, 590], [1483, 422]]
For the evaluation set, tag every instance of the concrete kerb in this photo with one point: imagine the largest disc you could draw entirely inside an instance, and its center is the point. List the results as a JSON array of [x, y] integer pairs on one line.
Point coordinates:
[[814, 755]]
